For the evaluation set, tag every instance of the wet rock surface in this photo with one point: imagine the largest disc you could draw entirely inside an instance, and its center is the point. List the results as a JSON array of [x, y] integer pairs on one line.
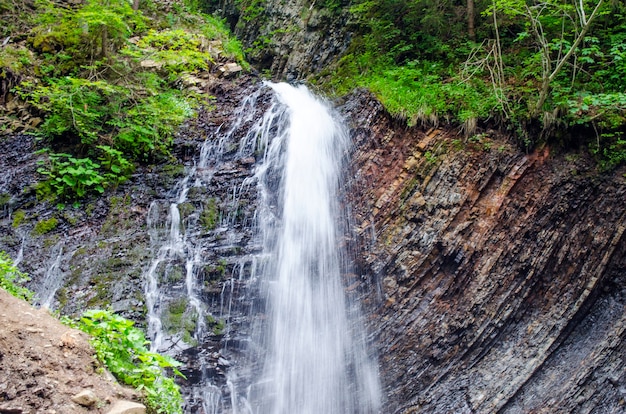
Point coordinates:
[[495, 280], [301, 37]]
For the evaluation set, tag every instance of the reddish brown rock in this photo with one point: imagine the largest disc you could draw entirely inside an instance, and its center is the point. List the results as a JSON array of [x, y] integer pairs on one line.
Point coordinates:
[[498, 278]]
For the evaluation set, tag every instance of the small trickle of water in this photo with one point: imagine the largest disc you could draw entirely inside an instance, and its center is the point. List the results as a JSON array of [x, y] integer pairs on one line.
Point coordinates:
[[52, 280], [175, 252]]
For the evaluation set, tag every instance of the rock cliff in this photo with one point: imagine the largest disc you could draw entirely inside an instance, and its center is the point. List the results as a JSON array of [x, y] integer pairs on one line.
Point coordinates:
[[495, 279], [290, 39]]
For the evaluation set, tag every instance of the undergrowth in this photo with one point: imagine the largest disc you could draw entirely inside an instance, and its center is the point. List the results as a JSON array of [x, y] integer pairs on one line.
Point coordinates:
[[122, 348], [12, 280], [512, 70], [106, 79]]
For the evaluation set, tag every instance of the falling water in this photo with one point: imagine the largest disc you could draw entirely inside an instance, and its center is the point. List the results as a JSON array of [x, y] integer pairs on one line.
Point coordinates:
[[52, 279], [315, 360], [176, 253]]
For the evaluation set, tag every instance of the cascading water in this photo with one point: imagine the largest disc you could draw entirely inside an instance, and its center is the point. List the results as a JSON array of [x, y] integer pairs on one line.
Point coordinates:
[[313, 350], [292, 340]]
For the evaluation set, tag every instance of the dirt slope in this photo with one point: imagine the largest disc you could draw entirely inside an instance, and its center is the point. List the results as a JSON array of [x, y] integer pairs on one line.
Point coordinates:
[[43, 363]]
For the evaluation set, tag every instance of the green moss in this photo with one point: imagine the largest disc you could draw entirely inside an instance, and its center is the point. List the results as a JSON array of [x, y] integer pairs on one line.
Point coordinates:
[[210, 215], [45, 226], [4, 199], [175, 275], [18, 218], [216, 325], [185, 210]]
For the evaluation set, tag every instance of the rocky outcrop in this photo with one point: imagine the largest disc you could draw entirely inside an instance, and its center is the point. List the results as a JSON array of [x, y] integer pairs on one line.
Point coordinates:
[[291, 39], [495, 279]]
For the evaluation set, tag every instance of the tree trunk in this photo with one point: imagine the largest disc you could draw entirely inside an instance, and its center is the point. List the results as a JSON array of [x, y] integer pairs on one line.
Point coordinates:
[[135, 4], [105, 43], [471, 31]]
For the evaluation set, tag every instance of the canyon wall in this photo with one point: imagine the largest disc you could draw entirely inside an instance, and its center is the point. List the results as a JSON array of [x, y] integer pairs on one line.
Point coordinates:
[[495, 279]]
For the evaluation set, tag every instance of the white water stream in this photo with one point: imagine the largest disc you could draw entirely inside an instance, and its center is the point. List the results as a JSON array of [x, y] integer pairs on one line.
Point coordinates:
[[315, 360], [306, 351]]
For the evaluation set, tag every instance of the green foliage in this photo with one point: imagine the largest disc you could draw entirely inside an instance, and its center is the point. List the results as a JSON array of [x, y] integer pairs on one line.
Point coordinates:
[[75, 107], [147, 129], [94, 30], [11, 279], [123, 349], [14, 58], [115, 166], [71, 178], [175, 51], [106, 81], [420, 60], [217, 29], [419, 93], [250, 9], [612, 151]]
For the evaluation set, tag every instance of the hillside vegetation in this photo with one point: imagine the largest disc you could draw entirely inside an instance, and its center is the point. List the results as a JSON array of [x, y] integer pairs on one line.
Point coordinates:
[[544, 70], [105, 83]]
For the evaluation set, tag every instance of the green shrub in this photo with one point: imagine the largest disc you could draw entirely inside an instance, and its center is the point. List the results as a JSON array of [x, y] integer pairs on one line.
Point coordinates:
[[147, 129], [75, 107], [87, 33], [71, 178], [123, 349], [174, 50], [116, 168], [11, 279]]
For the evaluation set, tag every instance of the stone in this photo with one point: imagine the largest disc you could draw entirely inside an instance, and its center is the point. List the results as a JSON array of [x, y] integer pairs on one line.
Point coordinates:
[[229, 70], [6, 409], [86, 398], [149, 64], [127, 407]]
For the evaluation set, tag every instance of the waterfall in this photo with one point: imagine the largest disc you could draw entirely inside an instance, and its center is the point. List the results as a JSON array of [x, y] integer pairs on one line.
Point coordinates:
[[312, 344], [279, 334]]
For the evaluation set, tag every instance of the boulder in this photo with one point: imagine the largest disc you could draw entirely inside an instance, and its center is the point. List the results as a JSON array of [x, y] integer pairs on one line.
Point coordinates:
[[86, 398]]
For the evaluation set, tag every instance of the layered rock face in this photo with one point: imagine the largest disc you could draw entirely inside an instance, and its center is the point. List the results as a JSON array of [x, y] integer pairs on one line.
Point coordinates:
[[495, 280]]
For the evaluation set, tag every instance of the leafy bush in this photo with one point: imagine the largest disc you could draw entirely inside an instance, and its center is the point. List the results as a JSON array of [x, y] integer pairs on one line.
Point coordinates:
[[11, 279], [87, 33], [74, 106], [173, 50], [147, 128], [123, 349], [69, 177]]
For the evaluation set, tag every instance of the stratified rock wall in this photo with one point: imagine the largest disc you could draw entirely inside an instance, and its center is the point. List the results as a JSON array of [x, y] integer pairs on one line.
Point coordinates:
[[498, 278]]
